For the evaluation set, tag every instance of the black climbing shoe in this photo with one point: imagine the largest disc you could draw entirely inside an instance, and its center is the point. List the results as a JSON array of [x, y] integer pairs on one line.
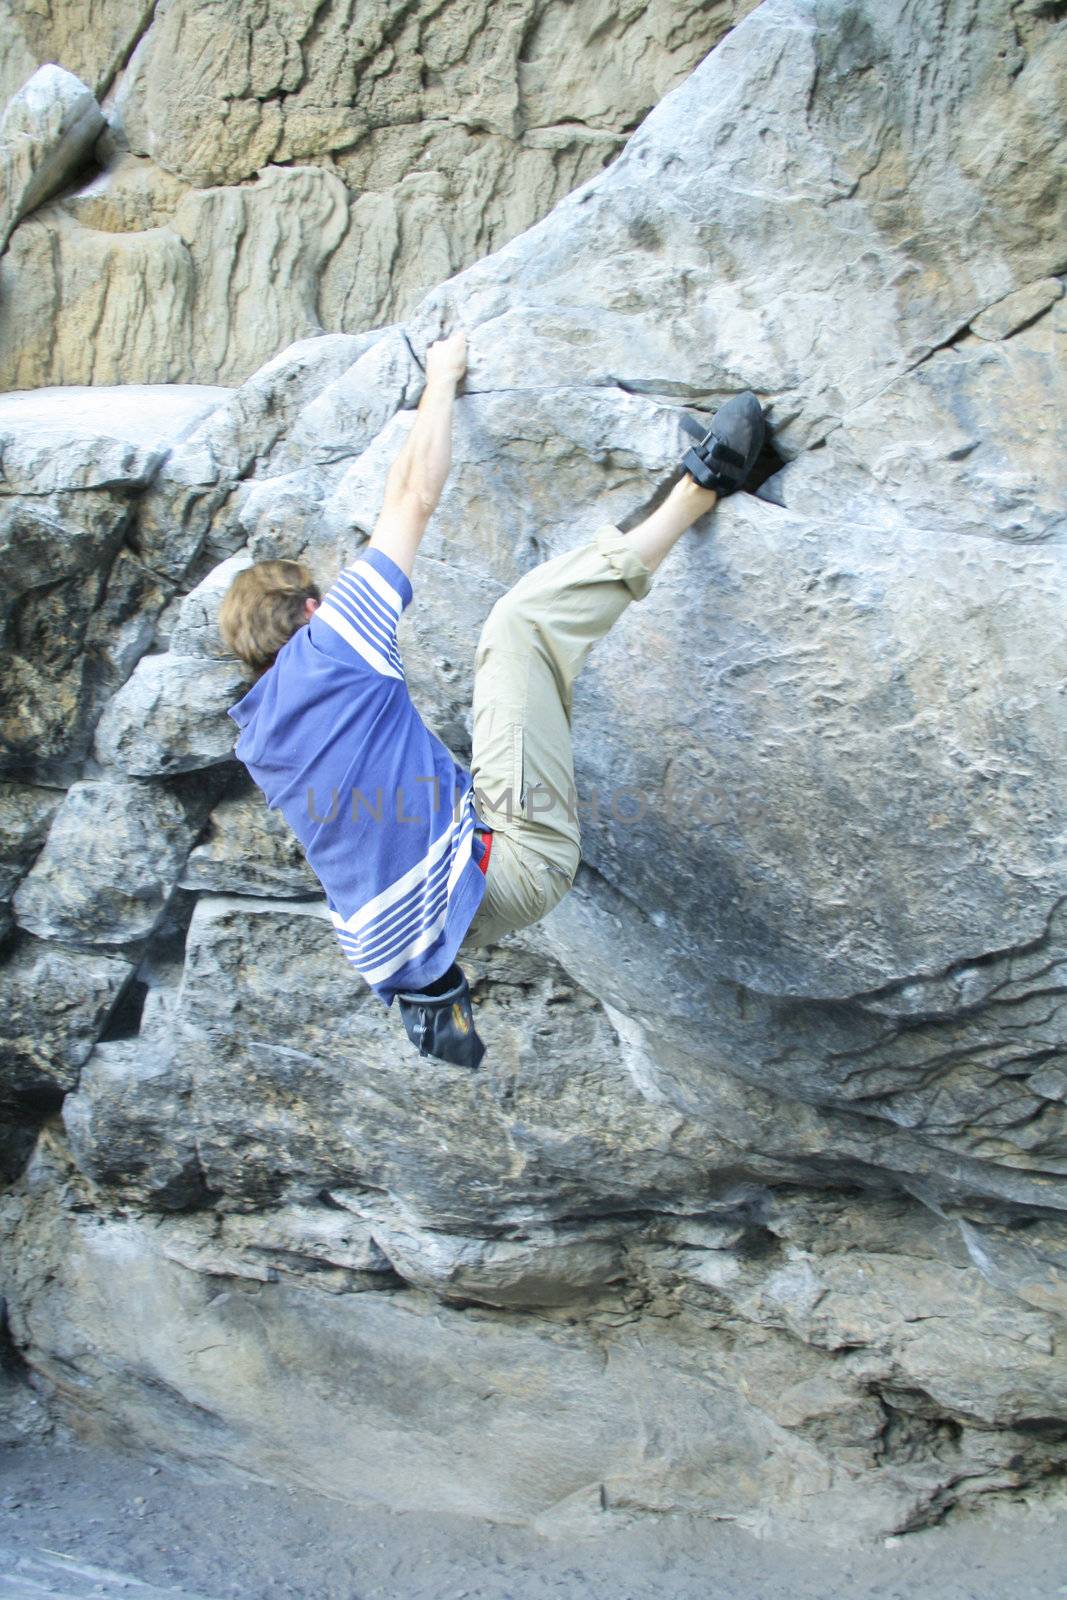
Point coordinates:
[[723, 457], [440, 1022]]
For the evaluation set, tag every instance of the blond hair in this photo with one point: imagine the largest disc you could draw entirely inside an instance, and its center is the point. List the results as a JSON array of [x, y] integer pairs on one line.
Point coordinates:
[[262, 609]]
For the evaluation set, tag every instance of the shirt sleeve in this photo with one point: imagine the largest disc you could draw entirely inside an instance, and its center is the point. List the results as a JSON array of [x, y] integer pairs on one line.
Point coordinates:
[[363, 608]]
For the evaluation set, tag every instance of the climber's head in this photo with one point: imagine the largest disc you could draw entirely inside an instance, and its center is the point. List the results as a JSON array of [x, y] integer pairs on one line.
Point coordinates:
[[262, 609]]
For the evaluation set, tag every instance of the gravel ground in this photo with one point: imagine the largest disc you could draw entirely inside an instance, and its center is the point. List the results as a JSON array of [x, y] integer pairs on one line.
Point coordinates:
[[77, 1522]]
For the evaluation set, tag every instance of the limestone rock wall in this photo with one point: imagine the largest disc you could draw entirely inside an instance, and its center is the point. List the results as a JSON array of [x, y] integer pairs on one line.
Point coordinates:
[[270, 170], [758, 1204]]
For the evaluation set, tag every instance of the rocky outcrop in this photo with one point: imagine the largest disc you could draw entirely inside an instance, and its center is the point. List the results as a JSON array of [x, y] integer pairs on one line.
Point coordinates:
[[758, 1202], [831, 1360], [79, 603], [271, 171], [46, 134], [92, 38]]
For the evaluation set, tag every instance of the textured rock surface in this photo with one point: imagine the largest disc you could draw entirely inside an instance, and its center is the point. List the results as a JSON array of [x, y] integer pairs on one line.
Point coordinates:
[[823, 1409], [25, 812], [46, 133], [170, 716], [247, 849], [111, 858], [57, 1001], [90, 37], [759, 1201], [271, 170], [82, 438], [79, 605]]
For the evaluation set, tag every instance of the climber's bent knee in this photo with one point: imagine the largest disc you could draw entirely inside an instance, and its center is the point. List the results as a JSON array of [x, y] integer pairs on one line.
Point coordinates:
[[521, 886]]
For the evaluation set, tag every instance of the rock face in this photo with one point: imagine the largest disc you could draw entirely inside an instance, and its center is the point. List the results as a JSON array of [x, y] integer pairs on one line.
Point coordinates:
[[46, 133], [271, 170], [79, 604], [757, 1206]]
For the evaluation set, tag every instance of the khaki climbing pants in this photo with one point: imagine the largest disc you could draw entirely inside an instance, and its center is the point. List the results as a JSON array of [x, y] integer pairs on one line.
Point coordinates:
[[534, 644]]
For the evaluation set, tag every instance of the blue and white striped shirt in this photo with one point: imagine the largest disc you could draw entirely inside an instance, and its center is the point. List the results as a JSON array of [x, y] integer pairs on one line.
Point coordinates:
[[385, 815]]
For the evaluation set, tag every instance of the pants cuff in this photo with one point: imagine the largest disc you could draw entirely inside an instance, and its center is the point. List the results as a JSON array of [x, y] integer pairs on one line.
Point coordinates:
[[617, 549]]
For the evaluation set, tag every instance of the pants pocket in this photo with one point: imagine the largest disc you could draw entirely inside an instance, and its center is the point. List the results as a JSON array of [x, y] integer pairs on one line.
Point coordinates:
[[518, 767], [498, 774]]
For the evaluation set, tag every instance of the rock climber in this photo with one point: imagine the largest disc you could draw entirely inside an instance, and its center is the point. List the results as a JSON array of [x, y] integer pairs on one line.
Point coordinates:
[[420, 859]]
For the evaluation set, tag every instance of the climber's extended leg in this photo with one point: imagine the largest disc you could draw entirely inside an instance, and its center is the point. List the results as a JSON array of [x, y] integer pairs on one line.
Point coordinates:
[[533, 646]]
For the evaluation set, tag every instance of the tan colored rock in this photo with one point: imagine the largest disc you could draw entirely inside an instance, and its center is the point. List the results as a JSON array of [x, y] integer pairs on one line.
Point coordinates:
[[214, 94], [231, 279], [201, 95], [463, 194], [89, 37], [129, 195], [258, 254], [94, 307], [419, 142]]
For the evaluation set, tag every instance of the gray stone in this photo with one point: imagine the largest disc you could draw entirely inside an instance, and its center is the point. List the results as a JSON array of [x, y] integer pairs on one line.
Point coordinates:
[[546, 1267], [25, 813], [46, 538], [55, 551], [170, 716], [79, 609], [129, 1127], [46, 132], [936, 1327], [192, 502], [113, 854], [935, 1085], [56, 1002], [282, 512], [318, 1247], [77, 438], [315, 1088], [1027, 1258], [195, 631], [768, 1147], [248, 850], [281, 517], [821, 1409], [342, 419], [1017, 309], [963, 445], [121, 629]]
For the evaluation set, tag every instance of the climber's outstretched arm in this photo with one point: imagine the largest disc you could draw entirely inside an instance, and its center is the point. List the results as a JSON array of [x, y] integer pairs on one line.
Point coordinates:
[[418, 474]]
